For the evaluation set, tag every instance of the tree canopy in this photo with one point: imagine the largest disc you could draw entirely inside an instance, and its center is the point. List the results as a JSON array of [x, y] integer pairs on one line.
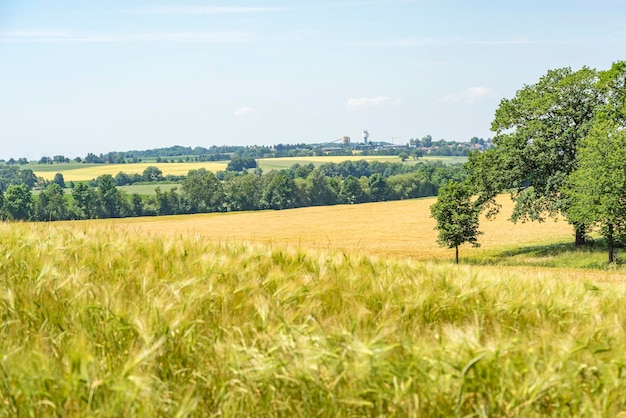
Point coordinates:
[[598, 186], [538, 134], [456, 216]]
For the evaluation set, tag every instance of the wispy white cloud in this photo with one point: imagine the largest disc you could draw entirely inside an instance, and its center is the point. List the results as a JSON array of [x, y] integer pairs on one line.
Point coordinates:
[[45, 35], [425, 64], [355, 103], [245, 111], [525, 41], [471, 95], [415, 42], [405, 42], [209, 10]]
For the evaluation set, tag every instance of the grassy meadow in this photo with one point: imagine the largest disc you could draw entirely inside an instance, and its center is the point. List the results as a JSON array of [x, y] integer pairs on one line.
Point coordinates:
[[148, 189], [83, 172], [334, 311]]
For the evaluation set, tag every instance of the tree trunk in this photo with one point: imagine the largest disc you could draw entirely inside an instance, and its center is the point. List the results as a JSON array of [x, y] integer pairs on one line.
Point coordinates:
[[580, 234], [457, 254], [609, 240]]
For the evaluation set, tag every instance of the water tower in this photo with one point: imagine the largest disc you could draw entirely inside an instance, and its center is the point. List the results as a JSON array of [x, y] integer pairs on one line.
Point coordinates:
[[366, 136]]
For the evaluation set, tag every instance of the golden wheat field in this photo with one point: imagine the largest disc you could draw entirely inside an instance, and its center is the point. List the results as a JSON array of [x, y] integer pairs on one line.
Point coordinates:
[[388, 229], [329, 311], [397, 230]]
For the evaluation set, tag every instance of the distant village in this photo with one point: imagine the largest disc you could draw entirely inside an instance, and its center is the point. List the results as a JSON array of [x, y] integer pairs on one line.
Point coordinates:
[[426, 145]]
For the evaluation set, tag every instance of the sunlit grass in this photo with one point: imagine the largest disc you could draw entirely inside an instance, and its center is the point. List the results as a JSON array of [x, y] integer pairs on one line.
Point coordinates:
[[104, 321]]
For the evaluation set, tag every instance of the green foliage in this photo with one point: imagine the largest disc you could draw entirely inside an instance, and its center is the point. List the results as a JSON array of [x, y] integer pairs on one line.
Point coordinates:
[[112, 204], [18, 202], [136, 204], [280, 193], [318, 189], [598, 187], [167, 203], [379, 188], [202, 192], [152, 173], [351, 191], [538, 133], [12, 175], [58, 179], [243, 192], [456, 216], [240, 164], [51, 204], [85, 201]]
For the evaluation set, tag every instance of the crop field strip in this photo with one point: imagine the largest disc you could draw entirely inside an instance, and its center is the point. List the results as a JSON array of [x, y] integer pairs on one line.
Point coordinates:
[[400, 229], [93, 171], [76, 172], [397, 229]]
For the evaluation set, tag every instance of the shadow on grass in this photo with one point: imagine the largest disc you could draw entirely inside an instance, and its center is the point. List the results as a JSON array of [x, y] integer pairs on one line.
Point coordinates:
[[558, 255]]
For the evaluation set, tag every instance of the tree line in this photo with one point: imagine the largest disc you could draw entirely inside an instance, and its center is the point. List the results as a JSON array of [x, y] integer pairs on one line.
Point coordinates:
[[560, 150], [203, 191]]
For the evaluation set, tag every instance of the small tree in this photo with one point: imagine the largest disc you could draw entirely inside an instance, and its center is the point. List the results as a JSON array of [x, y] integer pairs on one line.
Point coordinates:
[[58, 179], [456, 216]]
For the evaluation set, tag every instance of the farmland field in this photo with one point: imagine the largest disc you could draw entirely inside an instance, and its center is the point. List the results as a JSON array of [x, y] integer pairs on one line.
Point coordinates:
[[390, 229], [82, 172], [148, 189], [332, 311], [79, 173]]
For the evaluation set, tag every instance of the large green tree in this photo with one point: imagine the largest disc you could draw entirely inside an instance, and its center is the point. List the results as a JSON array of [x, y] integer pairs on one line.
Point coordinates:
[[111, 201], [202, 192], [85, 201], [58, 179], [538, 133], [456, 216], [243, 192], [598, 186], [280, 193], [51, 204], [319, 190], [351, 191], [18, 202]]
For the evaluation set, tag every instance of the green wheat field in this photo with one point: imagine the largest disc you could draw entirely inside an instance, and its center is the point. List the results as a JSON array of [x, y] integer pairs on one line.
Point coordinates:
[[107, 320]]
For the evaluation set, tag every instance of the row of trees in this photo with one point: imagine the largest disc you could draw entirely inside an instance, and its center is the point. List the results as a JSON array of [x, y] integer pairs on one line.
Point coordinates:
[[202, 191], [560, 149]]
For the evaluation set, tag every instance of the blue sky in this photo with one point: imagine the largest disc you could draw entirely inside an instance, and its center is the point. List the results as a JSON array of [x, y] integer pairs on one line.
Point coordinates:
[[78, 77]]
